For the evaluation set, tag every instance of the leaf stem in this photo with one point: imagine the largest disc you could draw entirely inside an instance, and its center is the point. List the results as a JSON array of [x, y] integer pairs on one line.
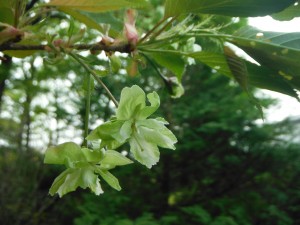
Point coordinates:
[[163, 28], [87, 110], [165, 79], [88, 69], [18, 4], [153, 29], [118, 47]]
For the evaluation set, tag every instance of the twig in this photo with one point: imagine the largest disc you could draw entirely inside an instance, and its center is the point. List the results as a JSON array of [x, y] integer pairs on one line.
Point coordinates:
[[152, 30], [163, 28], [120, 47], [87, 110], [88, 69]]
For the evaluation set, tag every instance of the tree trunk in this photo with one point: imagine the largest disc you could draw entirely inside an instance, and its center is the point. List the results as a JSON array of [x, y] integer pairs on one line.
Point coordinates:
[[27, 117], [4, 75]]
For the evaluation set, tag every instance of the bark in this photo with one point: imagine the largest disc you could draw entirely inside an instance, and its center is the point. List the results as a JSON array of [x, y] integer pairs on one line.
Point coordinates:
[[4, 75], [115, 47], [27, 119], [25, 125]]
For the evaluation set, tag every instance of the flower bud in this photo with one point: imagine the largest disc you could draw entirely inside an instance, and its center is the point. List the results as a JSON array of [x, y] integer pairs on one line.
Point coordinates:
[[131, 33]]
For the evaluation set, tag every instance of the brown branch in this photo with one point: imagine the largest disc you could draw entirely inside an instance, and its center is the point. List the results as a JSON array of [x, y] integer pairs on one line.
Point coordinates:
[[120, 47]]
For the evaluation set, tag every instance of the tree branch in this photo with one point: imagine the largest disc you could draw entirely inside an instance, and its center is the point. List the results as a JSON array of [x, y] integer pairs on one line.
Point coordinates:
[[120, 47], [88, 69]]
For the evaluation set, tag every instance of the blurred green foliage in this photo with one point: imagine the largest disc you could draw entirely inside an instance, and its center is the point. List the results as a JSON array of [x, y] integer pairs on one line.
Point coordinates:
[[228, 169]]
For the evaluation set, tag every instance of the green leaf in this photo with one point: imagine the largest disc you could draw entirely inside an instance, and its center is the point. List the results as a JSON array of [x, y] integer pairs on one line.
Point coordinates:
[[216, 61], [172, 62], [237, 67], [239, 71], [19, 53], [8, 4], [258, 76], [110, 179], [115, 63], [177, 89], [71, 179], [279, 39], [6, 15], [263, 77], [98, 5], [108, 21], [245, 8], [88, 21], [276, 51], [289, 13]]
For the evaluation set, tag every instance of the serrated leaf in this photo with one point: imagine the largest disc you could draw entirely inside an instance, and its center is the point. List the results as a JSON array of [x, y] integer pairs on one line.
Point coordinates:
[[263, 77], [214, 60], [89, 22], [114, 23], [239, 71], [290, 40], [110, 179], [245, 8], [259, 76], [172, 62], [98, 5], [71, 179], [276, 51], [237, 67]]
